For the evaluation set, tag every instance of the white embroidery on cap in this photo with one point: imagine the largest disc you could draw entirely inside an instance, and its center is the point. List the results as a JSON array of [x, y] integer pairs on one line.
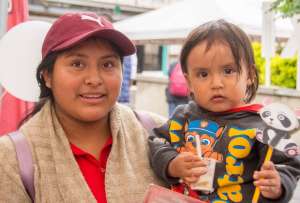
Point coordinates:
[[91, 18]]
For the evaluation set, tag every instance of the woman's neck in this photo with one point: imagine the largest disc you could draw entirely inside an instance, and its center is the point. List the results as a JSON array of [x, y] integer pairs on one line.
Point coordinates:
[[88, 136]]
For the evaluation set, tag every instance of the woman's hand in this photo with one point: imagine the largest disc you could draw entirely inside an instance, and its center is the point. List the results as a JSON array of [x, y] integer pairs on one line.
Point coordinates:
[[188, 167], [268, 180]]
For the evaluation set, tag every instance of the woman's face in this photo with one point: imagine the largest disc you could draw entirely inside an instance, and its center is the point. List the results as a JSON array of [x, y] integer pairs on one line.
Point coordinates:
[[86, 81]]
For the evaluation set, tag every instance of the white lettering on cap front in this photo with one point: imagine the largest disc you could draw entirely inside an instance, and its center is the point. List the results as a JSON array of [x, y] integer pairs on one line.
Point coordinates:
[[91, 18]]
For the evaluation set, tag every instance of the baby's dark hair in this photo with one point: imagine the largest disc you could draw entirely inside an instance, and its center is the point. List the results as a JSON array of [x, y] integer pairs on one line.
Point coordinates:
[[238, 41]]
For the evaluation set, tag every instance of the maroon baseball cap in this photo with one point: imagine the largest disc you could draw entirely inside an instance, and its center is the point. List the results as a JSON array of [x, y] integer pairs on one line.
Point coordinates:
[[72, 28]]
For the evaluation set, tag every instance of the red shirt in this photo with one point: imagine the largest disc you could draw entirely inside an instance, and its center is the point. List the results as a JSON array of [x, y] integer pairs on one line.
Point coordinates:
[[93, 170]]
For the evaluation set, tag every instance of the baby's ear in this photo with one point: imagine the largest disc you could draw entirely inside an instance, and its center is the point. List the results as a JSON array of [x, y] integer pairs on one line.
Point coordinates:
[[188, 82]]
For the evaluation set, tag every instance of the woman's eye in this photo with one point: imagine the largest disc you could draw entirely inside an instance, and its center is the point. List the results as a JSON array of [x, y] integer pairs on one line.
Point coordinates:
[[109, 65], [77, 64]]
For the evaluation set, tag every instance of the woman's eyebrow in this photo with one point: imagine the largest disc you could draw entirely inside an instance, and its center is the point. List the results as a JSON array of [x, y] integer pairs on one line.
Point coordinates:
[[73, 53], [110, 56]]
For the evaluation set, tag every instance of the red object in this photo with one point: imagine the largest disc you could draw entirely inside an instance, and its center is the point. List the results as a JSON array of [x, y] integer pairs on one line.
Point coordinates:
[[70, 29], [157, 194], [250, 108], [93, 170], [13, 110], [181, 187], [17, 13]]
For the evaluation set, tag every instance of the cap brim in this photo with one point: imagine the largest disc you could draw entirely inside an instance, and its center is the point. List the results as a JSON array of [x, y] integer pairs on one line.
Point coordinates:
[[117, 38]]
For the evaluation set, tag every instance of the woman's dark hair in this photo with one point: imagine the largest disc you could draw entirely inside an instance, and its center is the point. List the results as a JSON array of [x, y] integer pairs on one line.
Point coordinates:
[[47, 64], [238, 41]]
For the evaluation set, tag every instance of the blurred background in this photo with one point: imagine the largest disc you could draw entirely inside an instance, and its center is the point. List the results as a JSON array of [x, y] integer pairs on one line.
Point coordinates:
[[158, 28]]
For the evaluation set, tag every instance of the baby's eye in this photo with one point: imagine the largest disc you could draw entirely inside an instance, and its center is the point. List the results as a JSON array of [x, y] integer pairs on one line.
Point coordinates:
[[202, 74], [229, 70], [205, 141]]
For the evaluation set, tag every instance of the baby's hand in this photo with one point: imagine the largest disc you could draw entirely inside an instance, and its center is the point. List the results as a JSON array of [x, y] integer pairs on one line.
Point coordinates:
[[188, 167], [268, 180]]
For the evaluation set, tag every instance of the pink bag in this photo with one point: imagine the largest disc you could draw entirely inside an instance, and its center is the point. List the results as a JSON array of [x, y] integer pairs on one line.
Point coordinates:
[[157, 194], [178, 85]]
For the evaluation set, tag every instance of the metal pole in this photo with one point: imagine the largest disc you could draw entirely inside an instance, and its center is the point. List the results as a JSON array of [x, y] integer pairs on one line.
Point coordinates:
[[268, 71], [3, 27], [268, 39]]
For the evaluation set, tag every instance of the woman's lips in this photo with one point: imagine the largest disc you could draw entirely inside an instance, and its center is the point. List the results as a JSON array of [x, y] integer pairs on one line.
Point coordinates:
[[92, 98]]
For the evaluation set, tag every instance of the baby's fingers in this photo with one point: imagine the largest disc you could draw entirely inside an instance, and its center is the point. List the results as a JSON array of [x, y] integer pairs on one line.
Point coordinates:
[[269, 189], [266, 182], [199, 171], [190, 179], [264, 175], [194, 175], [196, 163]]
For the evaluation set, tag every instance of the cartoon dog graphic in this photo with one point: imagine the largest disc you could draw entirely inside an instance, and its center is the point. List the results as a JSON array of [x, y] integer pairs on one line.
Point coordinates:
[[209, 133]]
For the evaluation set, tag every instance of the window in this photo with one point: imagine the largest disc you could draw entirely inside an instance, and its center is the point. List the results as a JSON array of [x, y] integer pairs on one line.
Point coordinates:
[[149, 57]]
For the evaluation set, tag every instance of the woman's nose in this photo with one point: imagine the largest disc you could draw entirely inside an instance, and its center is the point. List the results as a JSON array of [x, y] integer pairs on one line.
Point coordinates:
[[93, 77]]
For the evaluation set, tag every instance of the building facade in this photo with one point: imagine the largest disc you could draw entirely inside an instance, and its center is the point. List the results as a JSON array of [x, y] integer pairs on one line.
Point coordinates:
[[114, 10]]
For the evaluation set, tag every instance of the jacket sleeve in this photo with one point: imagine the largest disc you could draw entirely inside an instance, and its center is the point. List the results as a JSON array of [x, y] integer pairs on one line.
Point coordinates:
[[11, 186], [289, 171], [161, 149]]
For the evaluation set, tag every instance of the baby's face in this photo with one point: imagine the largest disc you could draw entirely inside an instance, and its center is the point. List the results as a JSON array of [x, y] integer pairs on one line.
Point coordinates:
[[213, 77]]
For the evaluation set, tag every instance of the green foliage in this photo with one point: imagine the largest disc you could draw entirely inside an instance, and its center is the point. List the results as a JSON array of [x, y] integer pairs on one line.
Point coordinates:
[[259, 61], [287, 8], [283, 70]]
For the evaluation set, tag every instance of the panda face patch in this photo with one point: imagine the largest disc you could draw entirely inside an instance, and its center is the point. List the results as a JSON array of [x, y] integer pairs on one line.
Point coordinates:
[[279, 116], [283, 119]]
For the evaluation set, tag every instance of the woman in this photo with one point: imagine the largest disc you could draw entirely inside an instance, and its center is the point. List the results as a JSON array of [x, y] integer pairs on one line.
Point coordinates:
[[85, 146]]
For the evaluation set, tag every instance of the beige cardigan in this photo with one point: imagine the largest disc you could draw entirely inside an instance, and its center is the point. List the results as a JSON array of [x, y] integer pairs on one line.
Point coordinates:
[[57, 177]]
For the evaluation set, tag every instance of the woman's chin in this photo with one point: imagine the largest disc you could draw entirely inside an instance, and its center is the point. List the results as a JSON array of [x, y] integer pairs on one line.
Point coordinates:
[[93, 116]]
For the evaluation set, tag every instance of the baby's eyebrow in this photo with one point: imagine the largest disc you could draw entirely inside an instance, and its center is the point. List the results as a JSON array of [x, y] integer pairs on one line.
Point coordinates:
[[228, 64], [198, 68]]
